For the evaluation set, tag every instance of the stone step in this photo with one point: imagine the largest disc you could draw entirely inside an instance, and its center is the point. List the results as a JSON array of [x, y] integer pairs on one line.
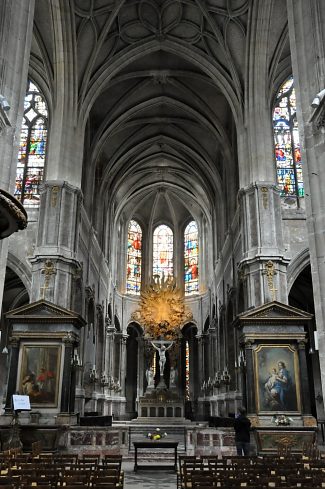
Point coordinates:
[[159, 421]]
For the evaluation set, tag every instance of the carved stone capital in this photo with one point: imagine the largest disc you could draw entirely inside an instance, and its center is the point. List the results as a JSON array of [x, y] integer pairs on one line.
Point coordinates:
[[69, 339], [90, 293], [14, 341]]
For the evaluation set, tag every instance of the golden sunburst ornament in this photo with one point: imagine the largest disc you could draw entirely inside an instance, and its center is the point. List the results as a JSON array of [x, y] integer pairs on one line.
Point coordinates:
[[162, 310]]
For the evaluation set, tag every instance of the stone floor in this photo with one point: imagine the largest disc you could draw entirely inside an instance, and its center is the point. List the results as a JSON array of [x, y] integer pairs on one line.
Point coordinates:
[[158, 479]]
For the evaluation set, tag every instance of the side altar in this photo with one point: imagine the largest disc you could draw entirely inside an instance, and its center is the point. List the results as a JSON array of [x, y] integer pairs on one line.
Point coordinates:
[[273, 361]]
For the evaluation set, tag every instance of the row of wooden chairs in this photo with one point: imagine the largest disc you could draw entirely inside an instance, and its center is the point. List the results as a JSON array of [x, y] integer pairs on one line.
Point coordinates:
[[271, 471], [24, 471]]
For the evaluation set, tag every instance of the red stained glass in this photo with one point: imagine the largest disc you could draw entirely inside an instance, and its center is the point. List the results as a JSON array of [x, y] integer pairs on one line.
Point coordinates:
[[191, 259], [134, 258], [287, 146], [32, 148], [163, 252]]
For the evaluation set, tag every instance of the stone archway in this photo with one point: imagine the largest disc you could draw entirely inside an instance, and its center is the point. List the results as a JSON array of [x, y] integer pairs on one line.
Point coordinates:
[[301, 296]]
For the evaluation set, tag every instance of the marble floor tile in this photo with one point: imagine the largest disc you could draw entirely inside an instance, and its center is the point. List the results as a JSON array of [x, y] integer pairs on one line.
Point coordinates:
[[157, 479]]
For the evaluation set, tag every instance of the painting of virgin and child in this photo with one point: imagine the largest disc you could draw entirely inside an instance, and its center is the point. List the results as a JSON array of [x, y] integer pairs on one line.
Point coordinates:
[[277, 378], [39, 374]]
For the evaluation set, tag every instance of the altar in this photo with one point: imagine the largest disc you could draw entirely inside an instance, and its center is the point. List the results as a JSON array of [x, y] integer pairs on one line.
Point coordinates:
[[161, 404], [162, 313], [155, 445]]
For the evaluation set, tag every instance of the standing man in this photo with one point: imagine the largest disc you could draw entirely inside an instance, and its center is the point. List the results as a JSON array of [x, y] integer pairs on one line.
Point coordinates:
[[242, 432]]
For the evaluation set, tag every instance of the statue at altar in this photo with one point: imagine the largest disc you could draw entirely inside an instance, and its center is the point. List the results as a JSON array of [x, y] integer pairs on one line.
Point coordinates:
[[162, 346], [150, 378], [162, 353]]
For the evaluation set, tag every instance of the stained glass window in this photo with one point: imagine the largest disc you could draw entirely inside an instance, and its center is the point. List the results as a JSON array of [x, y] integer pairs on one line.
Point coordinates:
[[287, 147], [134, 259], [191, 255], [163, 251], [32, 147]]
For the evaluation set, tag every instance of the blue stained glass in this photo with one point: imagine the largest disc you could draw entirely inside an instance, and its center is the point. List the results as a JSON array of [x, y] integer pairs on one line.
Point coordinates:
[[32, 148], [191, 256], [163, 252], [286, 141]]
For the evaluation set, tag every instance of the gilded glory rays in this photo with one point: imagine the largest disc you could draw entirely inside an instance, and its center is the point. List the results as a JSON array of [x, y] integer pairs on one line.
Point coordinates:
[[162, 310]]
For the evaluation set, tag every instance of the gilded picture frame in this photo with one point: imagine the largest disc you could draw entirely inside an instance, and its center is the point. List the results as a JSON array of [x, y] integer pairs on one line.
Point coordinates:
[[277, 384], [39, 374]]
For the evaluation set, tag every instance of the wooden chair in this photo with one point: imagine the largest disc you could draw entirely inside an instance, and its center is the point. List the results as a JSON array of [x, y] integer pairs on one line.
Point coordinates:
[[91, 458], [81, 480], [190, 468], [180, 471]]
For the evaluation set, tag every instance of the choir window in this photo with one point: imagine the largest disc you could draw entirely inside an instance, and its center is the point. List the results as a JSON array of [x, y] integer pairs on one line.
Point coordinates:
[[163, 254]]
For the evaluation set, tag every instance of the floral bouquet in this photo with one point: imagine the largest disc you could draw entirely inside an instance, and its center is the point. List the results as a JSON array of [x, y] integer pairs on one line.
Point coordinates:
[[281, 420], [156, 435]]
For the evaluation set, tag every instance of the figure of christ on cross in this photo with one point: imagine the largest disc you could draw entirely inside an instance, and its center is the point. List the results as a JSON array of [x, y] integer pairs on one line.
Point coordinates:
[[160, 346]]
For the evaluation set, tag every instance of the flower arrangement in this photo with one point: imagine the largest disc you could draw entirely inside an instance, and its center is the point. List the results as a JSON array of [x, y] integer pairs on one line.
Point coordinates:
[[156, 435], [281, 420]]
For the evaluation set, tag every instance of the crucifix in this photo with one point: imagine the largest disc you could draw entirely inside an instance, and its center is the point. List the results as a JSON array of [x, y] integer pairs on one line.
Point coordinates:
[[162, 352]]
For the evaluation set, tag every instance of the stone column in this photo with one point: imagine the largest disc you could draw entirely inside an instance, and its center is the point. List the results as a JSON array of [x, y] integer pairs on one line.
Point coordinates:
[[13, 372], [264, 264], [200, 360], [109, 347], [123, 341], [304, 381], [16, 26], [66, 378], [212, 349], [260, 205], [249, 381], [54, 263], [306, 22]]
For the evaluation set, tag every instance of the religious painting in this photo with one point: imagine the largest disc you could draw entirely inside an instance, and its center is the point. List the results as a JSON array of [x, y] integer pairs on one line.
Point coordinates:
[[277, 379], [39, 374]]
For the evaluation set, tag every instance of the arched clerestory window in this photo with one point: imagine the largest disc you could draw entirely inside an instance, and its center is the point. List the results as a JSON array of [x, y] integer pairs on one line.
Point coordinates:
[[163, 254], [134, 258], [287, 146], [32, 147], [191, 258]]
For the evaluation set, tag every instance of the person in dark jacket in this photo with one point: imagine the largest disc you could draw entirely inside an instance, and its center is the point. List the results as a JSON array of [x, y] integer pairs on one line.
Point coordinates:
[[242, 432]]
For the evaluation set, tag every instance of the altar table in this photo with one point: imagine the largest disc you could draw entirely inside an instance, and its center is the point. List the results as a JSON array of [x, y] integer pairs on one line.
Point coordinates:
[[155, 445]]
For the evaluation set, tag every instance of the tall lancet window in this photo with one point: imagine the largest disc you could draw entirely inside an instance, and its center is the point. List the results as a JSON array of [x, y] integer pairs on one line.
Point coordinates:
[[191, 258], [163, 252], [287, 146], [32, 148], [134, 259]]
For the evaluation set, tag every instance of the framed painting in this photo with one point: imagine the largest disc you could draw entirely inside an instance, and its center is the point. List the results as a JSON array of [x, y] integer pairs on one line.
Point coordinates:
[[277, 379], [39, 374]]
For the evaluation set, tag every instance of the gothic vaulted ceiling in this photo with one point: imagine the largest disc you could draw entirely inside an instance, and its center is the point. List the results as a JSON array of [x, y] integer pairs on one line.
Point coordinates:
[[160, 88]]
